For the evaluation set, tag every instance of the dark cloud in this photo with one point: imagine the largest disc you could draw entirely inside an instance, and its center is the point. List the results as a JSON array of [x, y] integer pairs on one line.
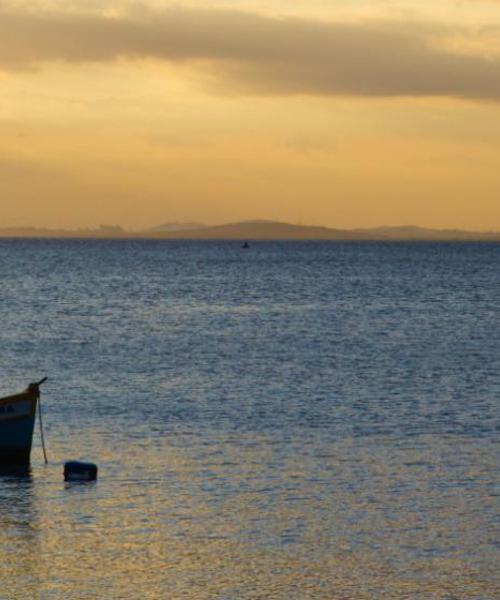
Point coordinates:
[[249, 53]]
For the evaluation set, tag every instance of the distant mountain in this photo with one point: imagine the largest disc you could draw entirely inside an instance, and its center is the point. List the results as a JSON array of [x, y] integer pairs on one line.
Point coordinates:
[[102, 232], [256, 230], [266, 230], [412, 232], [274, 230], [168, 227]]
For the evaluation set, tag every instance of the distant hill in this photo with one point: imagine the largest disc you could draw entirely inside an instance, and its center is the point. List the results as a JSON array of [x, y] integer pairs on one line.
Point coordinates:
[[412, 232], [102, 232], [255, 230], [175, 226], [267, 230], [273, 230]]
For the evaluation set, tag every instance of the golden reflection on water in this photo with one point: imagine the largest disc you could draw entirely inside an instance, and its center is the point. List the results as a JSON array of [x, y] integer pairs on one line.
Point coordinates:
[[19, 535], [236, 519]]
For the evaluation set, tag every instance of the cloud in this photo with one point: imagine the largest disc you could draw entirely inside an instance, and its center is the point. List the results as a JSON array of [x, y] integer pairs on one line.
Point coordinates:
[[247, 53]]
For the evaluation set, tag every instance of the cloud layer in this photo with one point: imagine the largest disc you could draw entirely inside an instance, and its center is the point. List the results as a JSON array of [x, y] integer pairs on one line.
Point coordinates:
[[253, 54]]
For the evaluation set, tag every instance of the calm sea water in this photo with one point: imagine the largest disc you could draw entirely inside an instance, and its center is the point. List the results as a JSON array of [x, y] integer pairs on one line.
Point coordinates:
[[294, 421]]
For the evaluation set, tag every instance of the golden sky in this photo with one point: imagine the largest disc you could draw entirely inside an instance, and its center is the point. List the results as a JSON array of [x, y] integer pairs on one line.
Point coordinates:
[[346, 113]]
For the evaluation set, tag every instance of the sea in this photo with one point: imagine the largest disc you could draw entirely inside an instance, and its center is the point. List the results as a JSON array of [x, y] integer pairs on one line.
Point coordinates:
[[292, 421]]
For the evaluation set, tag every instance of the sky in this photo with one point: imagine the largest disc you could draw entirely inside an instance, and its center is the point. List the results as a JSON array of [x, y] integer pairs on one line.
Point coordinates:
[[344, 113]]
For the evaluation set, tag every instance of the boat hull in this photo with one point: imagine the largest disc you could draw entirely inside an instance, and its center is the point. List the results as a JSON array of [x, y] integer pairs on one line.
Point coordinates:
[[17, 420]]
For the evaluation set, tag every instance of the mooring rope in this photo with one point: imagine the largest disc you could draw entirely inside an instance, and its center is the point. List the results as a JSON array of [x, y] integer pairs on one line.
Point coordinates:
[[41, 423]]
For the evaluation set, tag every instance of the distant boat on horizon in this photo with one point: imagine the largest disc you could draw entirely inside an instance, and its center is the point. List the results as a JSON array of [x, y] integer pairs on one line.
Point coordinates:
[[17, 420], [245, 245]]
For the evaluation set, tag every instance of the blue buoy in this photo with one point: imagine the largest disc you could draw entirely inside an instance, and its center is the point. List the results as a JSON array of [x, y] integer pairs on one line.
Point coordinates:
[[79, 471]]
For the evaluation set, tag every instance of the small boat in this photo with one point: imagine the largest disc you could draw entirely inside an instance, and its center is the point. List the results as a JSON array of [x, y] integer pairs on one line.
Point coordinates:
[[17, 420], [246, 245]]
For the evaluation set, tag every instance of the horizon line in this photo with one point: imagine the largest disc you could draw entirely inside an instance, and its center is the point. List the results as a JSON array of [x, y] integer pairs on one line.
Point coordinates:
[[194, 226]]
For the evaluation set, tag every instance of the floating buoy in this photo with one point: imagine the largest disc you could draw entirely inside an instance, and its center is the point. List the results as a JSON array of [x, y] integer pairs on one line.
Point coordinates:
[[80, 471]]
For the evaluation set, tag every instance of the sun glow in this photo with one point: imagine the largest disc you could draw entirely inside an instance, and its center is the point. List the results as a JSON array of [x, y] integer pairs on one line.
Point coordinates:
[[347, 114]]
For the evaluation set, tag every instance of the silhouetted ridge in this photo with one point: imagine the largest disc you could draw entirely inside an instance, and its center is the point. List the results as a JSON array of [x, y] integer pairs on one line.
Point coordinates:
[[256, 230]]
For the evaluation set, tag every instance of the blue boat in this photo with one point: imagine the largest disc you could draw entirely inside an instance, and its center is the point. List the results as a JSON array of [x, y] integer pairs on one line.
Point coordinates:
[[17, 420]]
